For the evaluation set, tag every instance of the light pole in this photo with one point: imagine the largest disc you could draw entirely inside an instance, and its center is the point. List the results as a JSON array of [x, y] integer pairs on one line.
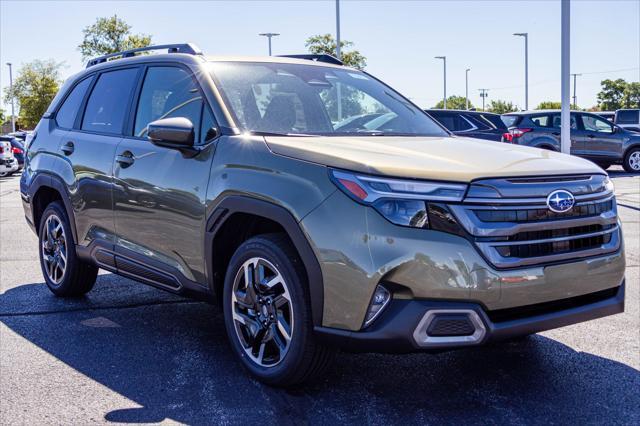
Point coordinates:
[[575, 98], [338, 53], [483, 94], [526, 68], [269, 36], [565, 77], [466, 88], [444, 61], [13, 113]]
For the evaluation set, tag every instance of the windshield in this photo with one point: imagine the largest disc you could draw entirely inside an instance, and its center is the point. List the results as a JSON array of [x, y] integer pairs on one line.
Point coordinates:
[[295, 99]]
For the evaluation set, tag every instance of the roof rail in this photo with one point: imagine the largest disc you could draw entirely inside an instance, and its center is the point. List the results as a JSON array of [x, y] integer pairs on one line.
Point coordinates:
[[188, 48], [329, 59]]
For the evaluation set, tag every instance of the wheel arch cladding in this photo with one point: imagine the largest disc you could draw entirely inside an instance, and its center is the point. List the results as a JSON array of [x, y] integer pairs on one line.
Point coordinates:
[[44, 189], [241, 217]]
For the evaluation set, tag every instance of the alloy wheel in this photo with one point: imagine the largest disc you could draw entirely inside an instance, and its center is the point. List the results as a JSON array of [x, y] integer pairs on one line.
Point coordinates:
[[262, 312], [634, 160], [54, 249]]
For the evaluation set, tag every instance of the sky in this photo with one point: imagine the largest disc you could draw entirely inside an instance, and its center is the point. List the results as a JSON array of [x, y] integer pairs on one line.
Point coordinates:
[[398, 38]]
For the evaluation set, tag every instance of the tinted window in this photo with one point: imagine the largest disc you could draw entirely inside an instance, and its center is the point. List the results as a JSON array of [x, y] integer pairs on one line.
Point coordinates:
[[556, 121], [66, 115], [511, 120], [627, 117], [541, 120], [108, 102], [591, 123], [452, 121], [168, 92], [494, 120]]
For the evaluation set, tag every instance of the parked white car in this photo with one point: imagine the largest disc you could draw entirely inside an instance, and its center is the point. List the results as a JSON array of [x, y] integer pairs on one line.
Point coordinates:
[[8, 163], [628, 119]]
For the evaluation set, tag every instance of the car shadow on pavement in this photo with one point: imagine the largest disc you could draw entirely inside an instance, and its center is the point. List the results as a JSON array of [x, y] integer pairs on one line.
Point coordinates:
[[171, 357]]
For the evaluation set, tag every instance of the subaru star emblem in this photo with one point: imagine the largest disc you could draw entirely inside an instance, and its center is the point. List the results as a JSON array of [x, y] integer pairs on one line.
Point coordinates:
[[560, 201]]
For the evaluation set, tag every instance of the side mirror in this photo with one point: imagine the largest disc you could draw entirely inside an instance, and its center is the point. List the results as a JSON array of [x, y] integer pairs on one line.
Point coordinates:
[[175, 132]]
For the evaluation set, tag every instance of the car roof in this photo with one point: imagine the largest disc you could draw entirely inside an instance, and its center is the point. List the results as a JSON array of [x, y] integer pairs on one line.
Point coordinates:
[[462, 111]]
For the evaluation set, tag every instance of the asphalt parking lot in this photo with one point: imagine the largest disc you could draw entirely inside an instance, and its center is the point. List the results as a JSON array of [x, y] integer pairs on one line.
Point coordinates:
[[129, 353]]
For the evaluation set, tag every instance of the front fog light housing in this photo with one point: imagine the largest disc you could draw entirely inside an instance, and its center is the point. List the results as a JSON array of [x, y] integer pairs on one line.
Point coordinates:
[[379, 301]]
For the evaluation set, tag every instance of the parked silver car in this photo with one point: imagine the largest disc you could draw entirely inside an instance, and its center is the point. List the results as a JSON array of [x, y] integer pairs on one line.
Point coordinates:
[[592, 137]]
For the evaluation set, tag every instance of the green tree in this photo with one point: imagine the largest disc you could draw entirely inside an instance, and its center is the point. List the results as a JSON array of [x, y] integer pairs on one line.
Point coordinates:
[[34, 88], [110, 35], [2, 117], [611, 96], [631, 97], [554, 105], [501, 107], [454, 102], [326, 44]]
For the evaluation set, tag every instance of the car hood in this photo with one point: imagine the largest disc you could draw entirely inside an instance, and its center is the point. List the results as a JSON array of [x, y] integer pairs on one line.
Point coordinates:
[[442, 158]]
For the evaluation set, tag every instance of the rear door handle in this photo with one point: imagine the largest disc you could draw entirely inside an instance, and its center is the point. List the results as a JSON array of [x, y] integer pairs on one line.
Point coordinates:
[[591, 136], [68, 148], [125, 159]]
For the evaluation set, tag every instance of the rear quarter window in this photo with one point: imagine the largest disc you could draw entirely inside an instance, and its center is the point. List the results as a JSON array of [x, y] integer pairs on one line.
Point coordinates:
[[511, 120], [66, 115]]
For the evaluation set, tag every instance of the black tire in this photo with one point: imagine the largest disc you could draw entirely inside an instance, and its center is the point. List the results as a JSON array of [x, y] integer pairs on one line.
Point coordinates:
[[627, 163], [305, 358], [604, 166], [78, 277]]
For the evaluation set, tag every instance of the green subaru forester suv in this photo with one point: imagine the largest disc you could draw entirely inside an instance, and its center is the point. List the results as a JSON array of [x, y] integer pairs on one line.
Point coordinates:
[[322, 209]]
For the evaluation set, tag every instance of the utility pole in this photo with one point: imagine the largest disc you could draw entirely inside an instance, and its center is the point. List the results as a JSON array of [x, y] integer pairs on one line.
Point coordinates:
[[466, 88], [565, 77], [13, 112], [526, 68], [483, 94], [269, 36], [444, 61], [575, 99]]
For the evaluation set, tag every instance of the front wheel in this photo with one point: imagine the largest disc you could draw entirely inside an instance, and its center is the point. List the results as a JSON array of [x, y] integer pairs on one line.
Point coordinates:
[[267, 313], [631, 161]]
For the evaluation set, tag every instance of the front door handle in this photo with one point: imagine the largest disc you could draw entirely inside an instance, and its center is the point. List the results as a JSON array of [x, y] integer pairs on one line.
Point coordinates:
[[125, 159], [591, 136], [68, 148]]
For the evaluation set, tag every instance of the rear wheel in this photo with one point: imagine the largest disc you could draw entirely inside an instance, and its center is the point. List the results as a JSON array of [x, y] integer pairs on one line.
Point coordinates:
[[64, 273], [268, 315], [631, 161], [604, 166]]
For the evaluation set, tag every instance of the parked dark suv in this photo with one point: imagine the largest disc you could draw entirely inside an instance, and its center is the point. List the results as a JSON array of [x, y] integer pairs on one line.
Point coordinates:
[[592, 137], [472, 124], [243, 180]]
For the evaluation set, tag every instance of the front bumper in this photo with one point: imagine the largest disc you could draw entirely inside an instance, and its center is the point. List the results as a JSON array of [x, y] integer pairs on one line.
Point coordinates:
[[394, 331]]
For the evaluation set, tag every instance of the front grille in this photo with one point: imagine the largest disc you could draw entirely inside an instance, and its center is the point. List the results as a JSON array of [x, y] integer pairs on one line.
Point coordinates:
[[556, 247], [531, 215], [511, 225]]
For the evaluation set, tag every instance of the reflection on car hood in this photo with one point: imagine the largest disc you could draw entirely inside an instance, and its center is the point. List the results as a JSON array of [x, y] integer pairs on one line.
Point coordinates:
[[442, 158]]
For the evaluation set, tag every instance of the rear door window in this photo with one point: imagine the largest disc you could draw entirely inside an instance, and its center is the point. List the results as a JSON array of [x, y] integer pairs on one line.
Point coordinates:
[[556, 121], [66, 115], [541, 120], [108, 102], [627, 117]]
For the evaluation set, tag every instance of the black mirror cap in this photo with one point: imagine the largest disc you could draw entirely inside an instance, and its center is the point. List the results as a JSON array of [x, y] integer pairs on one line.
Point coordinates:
[[175, 132]]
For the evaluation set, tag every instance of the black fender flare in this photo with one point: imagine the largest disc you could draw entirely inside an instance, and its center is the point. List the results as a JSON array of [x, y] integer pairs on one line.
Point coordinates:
[[244, 204], [54, 182]]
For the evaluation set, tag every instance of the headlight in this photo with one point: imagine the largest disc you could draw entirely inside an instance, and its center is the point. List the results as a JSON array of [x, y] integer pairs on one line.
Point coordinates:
[[608, 184], [402, 202]]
